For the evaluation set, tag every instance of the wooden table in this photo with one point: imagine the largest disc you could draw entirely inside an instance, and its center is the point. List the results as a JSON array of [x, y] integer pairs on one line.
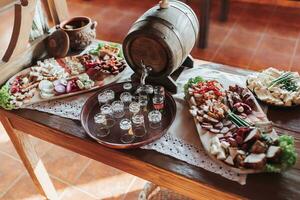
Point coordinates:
[[163, 170]]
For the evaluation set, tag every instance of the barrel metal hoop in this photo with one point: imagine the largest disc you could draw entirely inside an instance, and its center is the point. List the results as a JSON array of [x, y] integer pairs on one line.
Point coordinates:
[[178, 8], [169, 25], [188, 7]]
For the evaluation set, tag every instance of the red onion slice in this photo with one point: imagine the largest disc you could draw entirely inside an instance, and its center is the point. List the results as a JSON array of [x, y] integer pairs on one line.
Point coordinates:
[[60, 89]]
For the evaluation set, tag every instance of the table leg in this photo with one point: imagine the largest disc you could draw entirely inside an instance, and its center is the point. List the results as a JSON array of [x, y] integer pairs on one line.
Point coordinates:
[[224, 10], [204, 23], [30, 159]]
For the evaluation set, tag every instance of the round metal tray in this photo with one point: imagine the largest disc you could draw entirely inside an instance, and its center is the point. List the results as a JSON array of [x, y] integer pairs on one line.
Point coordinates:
[[91, 107]]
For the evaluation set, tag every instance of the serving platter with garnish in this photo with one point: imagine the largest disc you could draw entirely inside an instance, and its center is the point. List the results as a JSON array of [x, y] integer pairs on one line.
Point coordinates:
[[234, 131], [275, 87], [63, 77]]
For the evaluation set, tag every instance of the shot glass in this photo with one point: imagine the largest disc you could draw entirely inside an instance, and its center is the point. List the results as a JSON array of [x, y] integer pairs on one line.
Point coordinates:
[[110, 95], [149, 89], [127, 87], [102, 129], [135, 97], [143, 101], [138, 125], [158, 102], [159, 90], [140, 89], [126, 98], [127, 135], [118, 109], [106, 110], [155, 118], [102, 98], [134, 108]]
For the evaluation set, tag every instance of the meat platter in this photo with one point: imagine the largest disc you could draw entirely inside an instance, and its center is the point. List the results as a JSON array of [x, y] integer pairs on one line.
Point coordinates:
[[62, 77], [234, 131]]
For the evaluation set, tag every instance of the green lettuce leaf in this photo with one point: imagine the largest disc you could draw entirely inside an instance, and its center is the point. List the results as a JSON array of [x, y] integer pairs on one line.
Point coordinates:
[[191, 82], [5, 98], [288, 156], [95, 51]]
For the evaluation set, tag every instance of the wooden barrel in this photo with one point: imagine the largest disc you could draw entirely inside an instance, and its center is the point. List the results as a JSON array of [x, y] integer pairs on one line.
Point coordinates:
[[162, 38]]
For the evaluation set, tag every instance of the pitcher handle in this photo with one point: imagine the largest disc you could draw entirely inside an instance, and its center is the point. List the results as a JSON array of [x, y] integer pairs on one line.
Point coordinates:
[[94, 24]]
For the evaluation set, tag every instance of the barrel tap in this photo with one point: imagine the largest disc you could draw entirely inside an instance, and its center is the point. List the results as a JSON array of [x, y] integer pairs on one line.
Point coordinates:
[[145, 72]]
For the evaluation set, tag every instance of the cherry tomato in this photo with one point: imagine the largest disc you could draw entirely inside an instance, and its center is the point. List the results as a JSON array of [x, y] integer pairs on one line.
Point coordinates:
[[14, 89]]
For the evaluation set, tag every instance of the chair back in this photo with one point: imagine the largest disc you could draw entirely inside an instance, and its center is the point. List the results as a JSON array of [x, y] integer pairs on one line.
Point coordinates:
[[30, 29]]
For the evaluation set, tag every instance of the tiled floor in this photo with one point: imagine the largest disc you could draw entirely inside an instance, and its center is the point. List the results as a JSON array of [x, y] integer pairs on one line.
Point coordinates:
[[254, 37]]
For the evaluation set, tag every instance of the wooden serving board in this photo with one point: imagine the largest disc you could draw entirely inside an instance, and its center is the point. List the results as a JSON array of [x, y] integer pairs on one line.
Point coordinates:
[[205, 137], [37, 99], [102, 79]]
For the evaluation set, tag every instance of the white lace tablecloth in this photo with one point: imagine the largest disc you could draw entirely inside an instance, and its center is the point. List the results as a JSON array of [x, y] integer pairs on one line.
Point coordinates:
[[182, 140]]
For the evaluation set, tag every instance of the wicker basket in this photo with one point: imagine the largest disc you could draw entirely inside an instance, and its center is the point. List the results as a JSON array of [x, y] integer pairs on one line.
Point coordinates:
[[155, 192]]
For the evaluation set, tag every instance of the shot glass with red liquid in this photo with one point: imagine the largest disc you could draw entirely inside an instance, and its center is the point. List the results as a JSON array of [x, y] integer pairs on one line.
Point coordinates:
[[158, 102]]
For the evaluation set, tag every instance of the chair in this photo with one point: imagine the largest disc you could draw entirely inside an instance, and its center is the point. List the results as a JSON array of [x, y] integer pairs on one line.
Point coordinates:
[[21, 51]]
